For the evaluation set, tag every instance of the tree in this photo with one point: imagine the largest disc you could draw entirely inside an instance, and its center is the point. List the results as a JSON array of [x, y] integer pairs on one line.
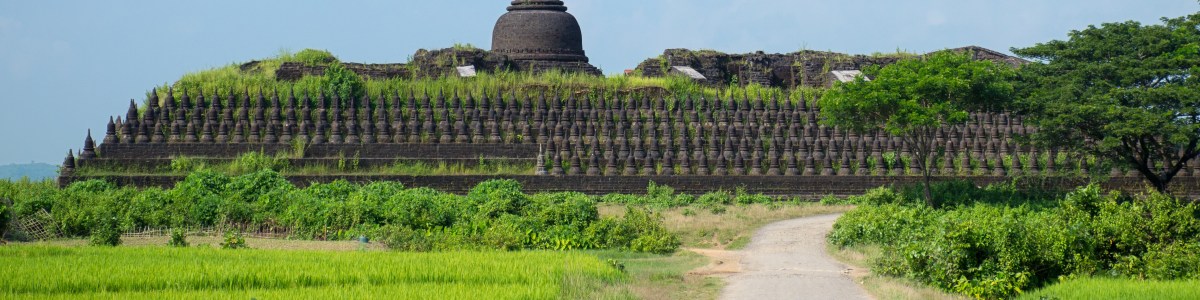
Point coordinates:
[[1122, 91], [915, 97]]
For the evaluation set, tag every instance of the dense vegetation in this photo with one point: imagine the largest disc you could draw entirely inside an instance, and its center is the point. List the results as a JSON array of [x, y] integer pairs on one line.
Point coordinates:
[[1126, 92], [996, 242], [206, 273], [253, 161], [260, 76], [5, 216], [914, 99], [495, 214]]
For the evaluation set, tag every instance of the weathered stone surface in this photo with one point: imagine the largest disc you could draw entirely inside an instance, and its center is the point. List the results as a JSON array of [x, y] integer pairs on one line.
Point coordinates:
[[533, 36], [539, 30], [804, 68], [805, 187], [291, 71], [440, 63]]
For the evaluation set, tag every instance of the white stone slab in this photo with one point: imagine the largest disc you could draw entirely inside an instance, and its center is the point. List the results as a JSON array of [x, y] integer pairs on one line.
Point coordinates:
[[848, 75], [466, 71], [688, 71]]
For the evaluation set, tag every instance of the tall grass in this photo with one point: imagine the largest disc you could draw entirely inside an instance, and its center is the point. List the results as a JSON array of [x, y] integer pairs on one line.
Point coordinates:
[[1118, 288], [160, 272], [252, 79]]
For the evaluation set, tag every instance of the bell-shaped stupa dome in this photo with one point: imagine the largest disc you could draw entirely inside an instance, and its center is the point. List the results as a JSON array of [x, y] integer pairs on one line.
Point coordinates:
[[539, 30]]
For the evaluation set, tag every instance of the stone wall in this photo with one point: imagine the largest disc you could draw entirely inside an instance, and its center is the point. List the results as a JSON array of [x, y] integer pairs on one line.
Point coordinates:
[[292, 71], [579, 135], [159, 157], [804, 68], [439, 63], [808, 187], [389, 150]]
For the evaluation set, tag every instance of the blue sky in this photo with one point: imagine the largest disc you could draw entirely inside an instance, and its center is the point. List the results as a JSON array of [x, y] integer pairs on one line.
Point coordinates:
[[65, 66]]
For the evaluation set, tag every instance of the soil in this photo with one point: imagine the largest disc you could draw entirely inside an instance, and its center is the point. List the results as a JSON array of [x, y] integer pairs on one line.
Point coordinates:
[[785, 260]]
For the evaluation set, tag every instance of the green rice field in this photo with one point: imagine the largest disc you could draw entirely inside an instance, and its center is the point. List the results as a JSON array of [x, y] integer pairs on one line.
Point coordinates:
[[1118, 288], [46, 272]]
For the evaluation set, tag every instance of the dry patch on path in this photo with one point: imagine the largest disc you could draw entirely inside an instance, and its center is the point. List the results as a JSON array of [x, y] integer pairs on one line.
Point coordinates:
[[721, 262], [785, 260]]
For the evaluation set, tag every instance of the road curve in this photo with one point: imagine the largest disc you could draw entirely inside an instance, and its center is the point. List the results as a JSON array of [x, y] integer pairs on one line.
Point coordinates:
[[787, 260]]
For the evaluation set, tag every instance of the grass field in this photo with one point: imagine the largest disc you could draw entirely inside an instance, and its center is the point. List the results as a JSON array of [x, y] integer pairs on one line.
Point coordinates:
[[546, 275], [1116, 288], [186, 273], [655, 277]]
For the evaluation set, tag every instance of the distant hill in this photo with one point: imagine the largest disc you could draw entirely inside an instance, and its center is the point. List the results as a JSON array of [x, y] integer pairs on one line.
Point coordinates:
[[35, 171]]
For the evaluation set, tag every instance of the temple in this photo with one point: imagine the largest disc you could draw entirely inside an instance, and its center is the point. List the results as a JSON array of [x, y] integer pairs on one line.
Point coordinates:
[[619, 141]]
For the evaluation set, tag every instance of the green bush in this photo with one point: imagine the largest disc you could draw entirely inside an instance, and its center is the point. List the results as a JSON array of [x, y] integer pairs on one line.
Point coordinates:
[[496, 214], [834, 200], [878, 224], [404, 238], [657, 196], [422, 208], [106, 231], [660, 242], [256, 161], [660, 195], [742, 197], [960, 192], [1174, 261], [311, 57], [178, 238], [651, 235], [84, 206], [346, 84], [498, 196], [5, 216], [880, 196], [569, 209], [715, 198], [186, 164], [608, 233], [615, 198], [684, 200], [991, 249], [233, 240]]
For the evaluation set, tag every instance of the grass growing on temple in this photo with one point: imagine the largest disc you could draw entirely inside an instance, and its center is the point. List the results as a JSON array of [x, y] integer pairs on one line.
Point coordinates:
[[253, 161], [207, 273], [281, 161], [260, 76]]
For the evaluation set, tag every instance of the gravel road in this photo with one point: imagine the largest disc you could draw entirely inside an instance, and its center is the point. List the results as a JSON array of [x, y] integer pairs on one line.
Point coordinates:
[[787, 260]]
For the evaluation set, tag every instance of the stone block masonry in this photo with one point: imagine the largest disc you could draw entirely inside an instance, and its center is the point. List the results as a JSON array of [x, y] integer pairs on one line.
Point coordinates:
[[437, 64], [806, 187], [576, 135], [799, 69]]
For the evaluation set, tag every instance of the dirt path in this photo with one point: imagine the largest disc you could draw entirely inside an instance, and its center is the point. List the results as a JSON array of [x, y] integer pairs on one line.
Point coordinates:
[[787, 260]]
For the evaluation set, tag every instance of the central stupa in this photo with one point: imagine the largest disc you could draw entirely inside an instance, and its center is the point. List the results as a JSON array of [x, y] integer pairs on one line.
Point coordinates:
[[540, 34]]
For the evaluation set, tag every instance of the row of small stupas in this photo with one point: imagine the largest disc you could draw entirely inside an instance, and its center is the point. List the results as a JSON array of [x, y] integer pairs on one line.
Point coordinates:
[[577, 135], [588, 135]]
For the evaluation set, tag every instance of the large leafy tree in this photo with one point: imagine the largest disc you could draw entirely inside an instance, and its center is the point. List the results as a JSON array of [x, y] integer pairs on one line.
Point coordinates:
[[913, 98], [1126, 92]]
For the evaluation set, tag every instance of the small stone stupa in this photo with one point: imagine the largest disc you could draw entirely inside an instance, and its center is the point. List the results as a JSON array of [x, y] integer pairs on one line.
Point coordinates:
[[540, 35]]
